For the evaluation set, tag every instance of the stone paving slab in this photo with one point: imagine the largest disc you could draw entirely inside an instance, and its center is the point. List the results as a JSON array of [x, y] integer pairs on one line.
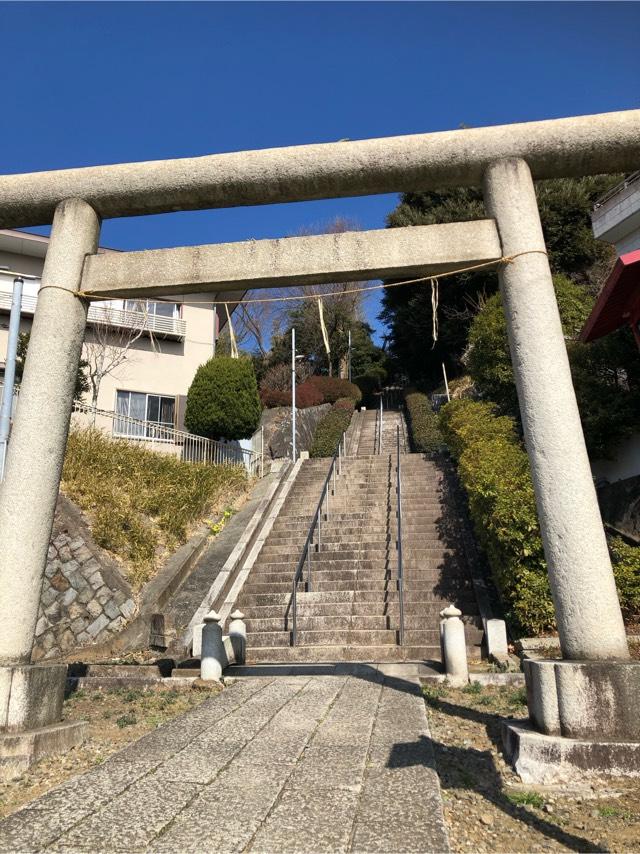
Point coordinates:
[[307, 763]]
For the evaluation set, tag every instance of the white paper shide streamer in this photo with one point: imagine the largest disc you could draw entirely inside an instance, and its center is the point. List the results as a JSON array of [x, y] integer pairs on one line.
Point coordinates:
[[232, 335], [325, 336]]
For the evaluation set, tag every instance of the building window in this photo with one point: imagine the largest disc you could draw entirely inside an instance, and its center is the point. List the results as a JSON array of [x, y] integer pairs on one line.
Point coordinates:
[[157, 411], [160, 309]]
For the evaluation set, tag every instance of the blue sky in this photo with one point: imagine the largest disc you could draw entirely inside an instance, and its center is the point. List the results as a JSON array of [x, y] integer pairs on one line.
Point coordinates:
[[90, 83]]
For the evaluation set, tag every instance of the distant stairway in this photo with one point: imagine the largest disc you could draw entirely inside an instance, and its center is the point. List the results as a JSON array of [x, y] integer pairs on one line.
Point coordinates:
[[351, 612]]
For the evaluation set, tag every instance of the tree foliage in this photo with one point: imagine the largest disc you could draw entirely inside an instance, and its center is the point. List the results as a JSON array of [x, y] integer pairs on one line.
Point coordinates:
[[565, 206], [222, 401], [606, 373]]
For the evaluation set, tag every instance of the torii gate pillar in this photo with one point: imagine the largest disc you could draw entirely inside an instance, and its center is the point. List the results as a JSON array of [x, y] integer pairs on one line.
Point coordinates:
[[31, 695]]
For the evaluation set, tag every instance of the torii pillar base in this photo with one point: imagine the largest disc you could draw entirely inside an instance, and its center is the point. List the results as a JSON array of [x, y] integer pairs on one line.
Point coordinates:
[[31, 697]]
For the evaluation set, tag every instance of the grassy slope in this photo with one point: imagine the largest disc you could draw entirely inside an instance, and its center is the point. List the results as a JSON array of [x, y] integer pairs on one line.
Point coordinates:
[[141, 504]]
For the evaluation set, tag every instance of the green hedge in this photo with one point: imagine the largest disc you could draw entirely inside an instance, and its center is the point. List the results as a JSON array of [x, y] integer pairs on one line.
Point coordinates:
[[222, 401], [424, 428], [331, 427], [494, 469], [333, 388]]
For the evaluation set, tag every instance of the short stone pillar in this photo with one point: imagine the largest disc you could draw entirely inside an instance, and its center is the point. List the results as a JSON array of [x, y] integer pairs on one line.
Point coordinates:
[[454, 646], [214, 657], [238, 636]]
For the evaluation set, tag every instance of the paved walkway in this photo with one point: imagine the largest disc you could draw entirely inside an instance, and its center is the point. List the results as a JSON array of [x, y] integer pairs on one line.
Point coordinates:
[[287, 764]]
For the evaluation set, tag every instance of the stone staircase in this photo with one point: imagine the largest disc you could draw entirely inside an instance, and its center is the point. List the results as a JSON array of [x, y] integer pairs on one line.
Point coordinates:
[[351, 612]]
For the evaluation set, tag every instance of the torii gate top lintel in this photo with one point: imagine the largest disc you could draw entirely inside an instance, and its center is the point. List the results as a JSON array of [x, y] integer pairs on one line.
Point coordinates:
[[583, 145]]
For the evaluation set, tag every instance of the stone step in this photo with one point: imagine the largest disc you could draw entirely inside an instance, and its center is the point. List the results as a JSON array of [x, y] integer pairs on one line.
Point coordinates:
[[352, 637], [316, 654]]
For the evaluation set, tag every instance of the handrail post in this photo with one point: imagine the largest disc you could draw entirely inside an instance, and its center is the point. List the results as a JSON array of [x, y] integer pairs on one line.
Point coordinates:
[[294, 613], [308, 567]]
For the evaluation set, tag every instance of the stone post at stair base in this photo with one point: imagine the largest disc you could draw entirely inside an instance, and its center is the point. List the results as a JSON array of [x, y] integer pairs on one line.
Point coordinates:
[[454, 646], [238, 636], [31, 695], [213, 656]]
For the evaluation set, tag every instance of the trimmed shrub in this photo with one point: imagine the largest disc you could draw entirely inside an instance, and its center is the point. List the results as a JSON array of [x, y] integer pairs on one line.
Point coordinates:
[[222, 401], [306, 395], [494, 470], [271, 398], [626, 569], [424, 428], [331, 427], [333, 388]]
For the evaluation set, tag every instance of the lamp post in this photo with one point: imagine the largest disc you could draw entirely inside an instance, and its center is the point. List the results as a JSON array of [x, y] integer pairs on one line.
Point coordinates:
[[294, 359], [10, 367], [349, 357]]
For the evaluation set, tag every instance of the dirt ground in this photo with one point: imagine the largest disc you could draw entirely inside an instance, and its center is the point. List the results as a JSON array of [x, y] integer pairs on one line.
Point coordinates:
[[115, 718], [486, 806]]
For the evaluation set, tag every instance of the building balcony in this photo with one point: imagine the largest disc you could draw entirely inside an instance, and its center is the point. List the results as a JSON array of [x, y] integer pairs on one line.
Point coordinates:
[[114, 314], [616, 216]]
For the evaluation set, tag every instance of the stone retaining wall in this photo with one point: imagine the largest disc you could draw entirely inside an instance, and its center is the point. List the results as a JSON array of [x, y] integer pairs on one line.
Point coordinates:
[[84, 599]]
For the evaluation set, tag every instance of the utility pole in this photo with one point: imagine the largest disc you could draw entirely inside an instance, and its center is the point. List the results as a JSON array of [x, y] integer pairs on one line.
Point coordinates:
[[349, 360], [215, 327], [293, 394], [10, 370]]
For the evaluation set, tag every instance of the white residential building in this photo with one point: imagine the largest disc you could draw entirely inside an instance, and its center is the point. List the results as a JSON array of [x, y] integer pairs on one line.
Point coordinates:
[[171, 340]]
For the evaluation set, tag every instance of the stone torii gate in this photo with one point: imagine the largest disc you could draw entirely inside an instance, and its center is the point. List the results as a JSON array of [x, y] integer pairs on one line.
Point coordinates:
[[505, 160]]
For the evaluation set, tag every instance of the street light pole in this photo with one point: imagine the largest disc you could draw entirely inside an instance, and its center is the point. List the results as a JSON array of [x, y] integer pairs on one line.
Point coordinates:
[[10, 370], [349, 356], [293, 395]]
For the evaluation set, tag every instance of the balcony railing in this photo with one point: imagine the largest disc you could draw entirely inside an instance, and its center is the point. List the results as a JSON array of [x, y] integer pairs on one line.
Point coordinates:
[[118, 318]]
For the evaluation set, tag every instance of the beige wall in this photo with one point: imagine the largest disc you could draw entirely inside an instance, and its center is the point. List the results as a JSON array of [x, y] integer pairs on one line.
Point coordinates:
[[158, 366]]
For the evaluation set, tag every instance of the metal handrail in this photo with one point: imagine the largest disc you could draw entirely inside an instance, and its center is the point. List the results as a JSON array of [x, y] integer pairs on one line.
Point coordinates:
[[379, 428], [316, 522], [399, 543], [631, 179]]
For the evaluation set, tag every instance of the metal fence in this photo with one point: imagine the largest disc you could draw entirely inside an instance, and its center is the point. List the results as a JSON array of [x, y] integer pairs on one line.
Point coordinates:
[[165, 439]]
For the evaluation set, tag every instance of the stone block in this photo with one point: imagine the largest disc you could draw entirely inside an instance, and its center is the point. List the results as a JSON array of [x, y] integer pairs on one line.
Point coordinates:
[[18, 751], [48, 596], [67, 640], [53, 653], [69, 597], [495, 635], [53, 612], [78, 625], [76, 544], [599, 700], [86, 595], [83, 554], [94, 608], [31, 696], [69, 567], [542, 696], [83, 638], [117, 625], [59, 582], [41, 626], [103, 595], [65, 553], [551, 759], [111, 610], [98, 625], [128, 609], [95, 580]]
